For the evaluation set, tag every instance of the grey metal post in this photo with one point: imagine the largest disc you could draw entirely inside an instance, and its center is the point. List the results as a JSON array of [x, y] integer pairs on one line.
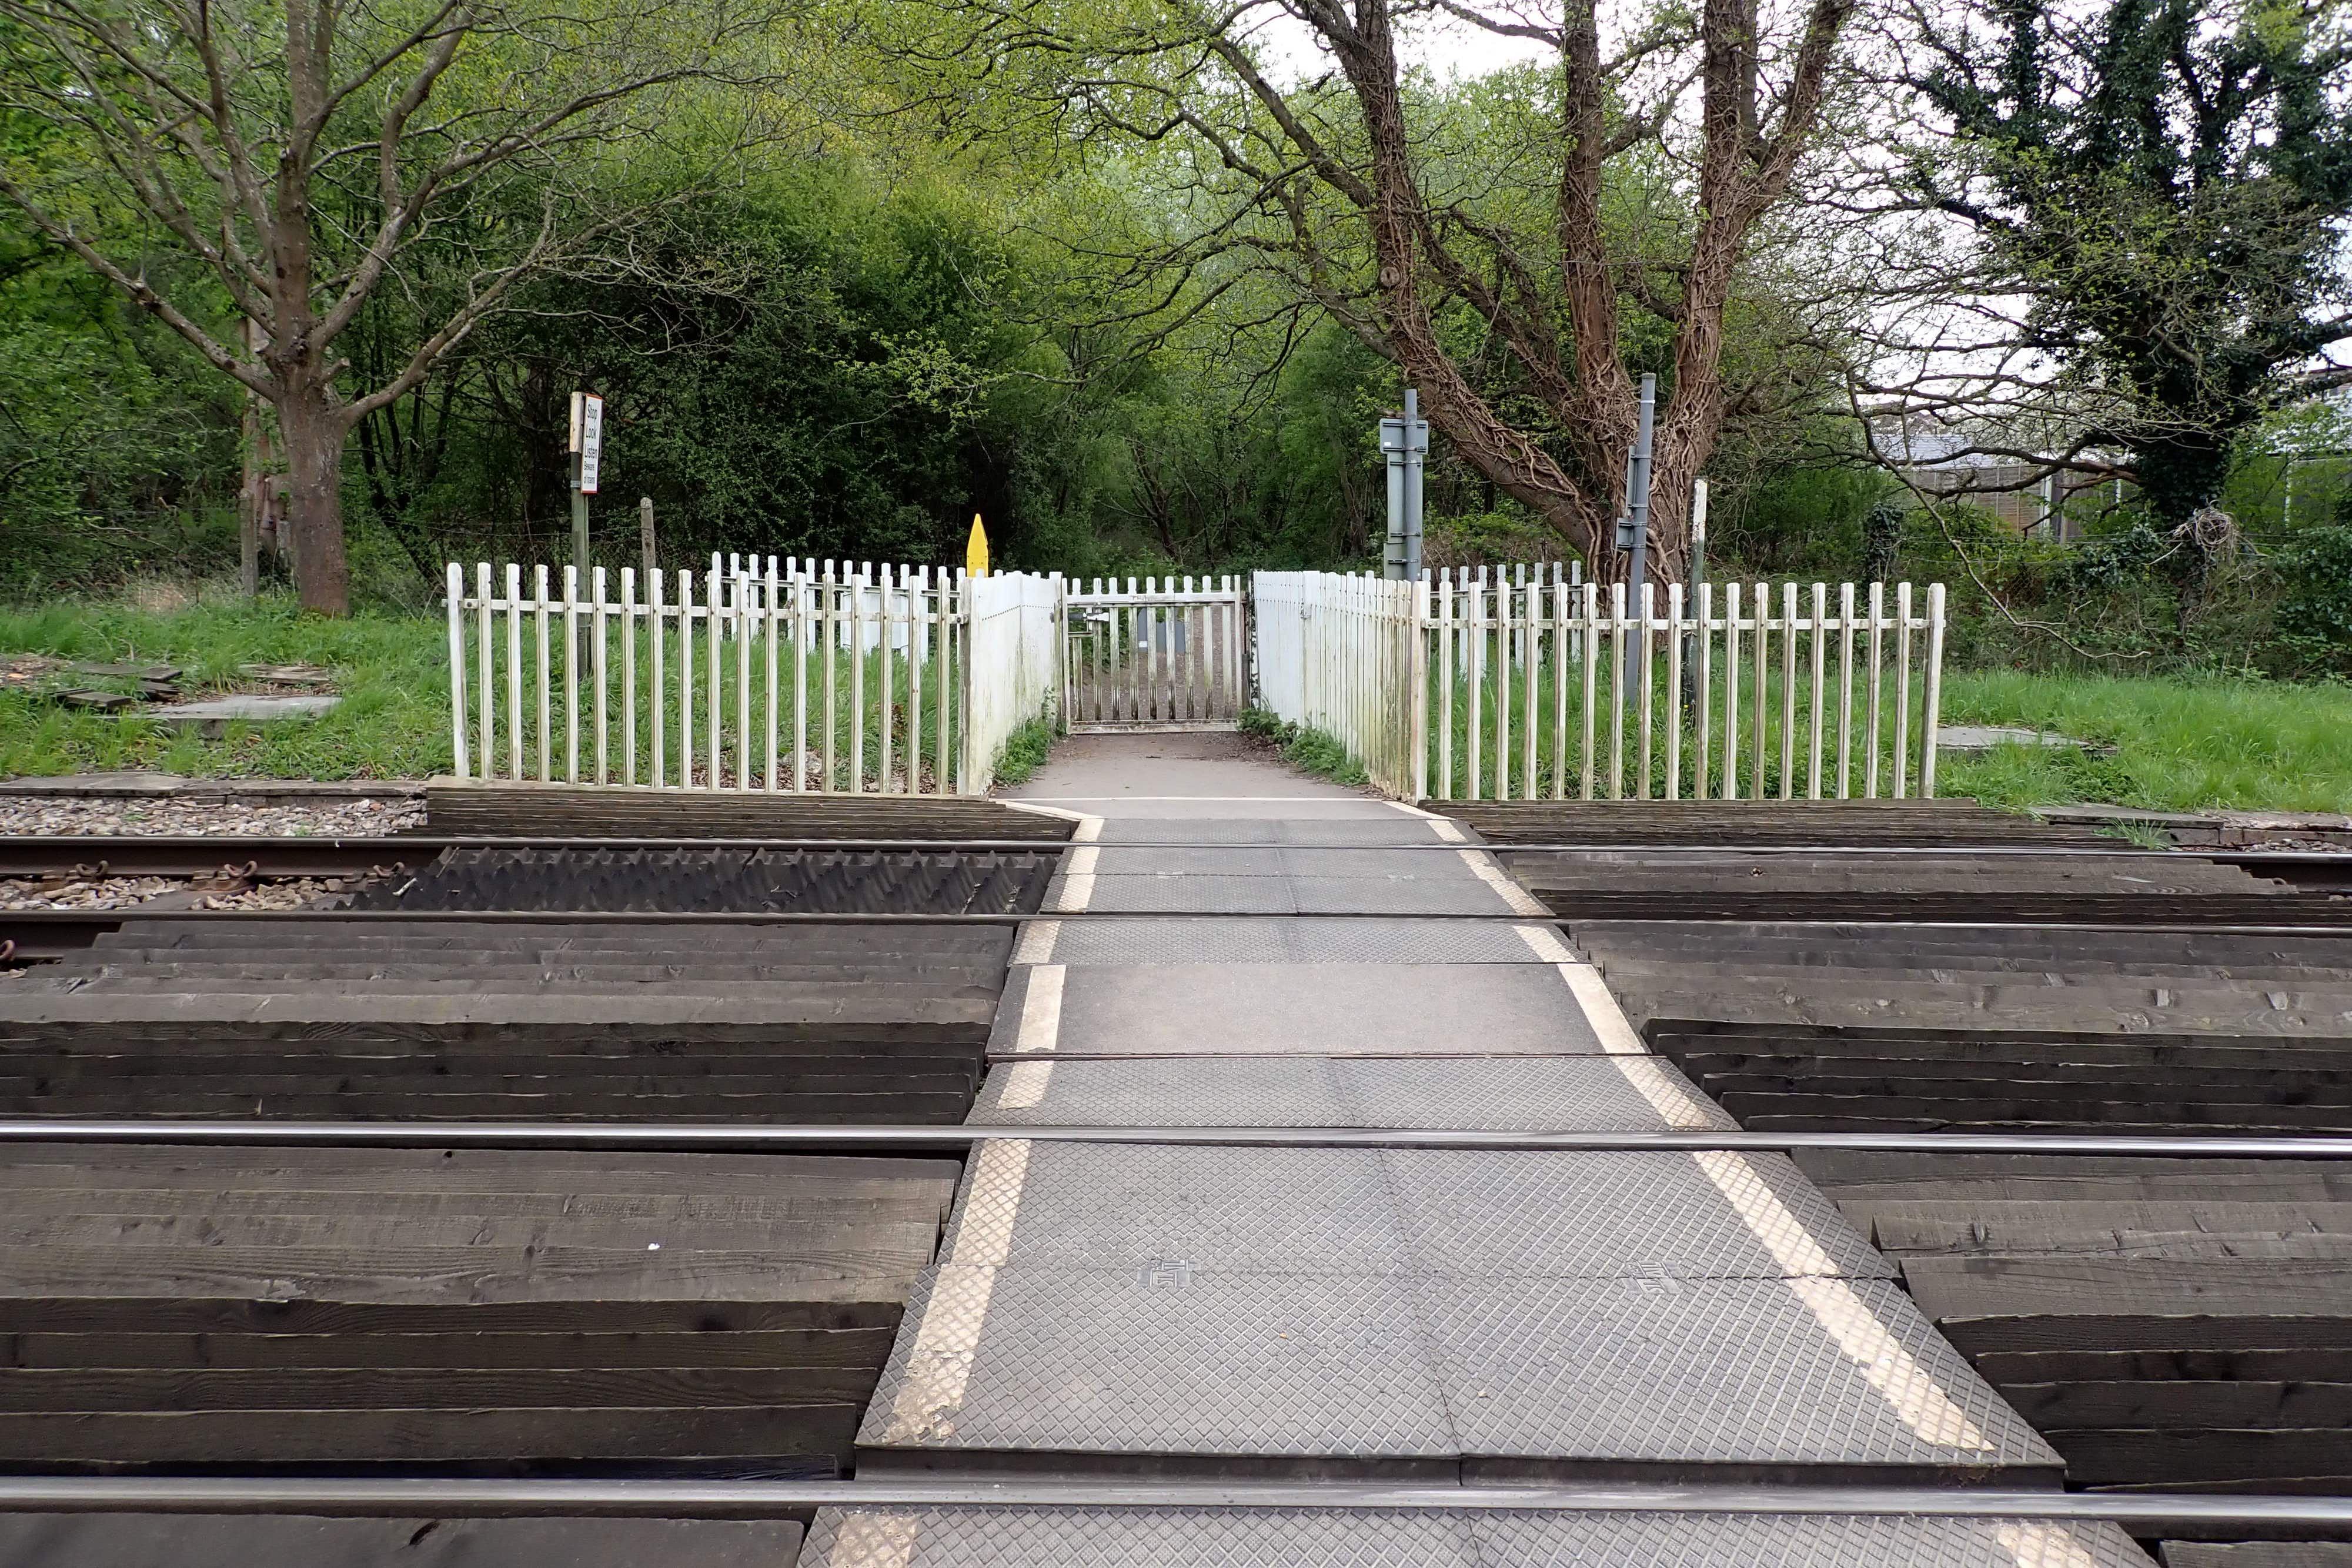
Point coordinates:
[[1637, 497], [1406, 443], [576, 655], [1392, 450], [1698, 581], [645, 534], [1416, 457]]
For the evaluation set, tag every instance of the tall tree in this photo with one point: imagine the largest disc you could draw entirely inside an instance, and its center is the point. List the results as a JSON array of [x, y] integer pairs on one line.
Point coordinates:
[[2162, 184], [1430, 242], [301, 152]]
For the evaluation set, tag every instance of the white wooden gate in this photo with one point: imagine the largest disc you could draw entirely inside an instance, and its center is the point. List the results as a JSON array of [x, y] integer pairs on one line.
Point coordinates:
[[1166, 655]]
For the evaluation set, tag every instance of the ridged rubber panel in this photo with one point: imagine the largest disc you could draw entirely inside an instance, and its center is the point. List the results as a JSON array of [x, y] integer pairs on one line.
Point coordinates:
[[1349, 1211], [1246, 940], [1287, 1537], [1555, 1371], [1503, 1094], [727, 881]]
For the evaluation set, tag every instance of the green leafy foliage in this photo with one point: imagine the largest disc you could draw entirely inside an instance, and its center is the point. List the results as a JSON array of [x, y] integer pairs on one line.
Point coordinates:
[[2166, 181], [1025, 752], [2318, 572], [1307, 749]]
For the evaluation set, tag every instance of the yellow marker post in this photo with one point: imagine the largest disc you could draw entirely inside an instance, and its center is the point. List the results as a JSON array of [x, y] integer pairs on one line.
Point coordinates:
[[975, 552]]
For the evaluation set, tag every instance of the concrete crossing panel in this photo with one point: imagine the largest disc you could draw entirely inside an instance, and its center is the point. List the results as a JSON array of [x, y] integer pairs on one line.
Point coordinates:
[[1504, 1094], [1329, 1010], [1338, 1537]]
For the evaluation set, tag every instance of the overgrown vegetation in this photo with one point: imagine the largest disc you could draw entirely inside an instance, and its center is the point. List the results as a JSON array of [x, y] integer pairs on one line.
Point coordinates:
[[2178, 745], [1308, 750], [1026, 750], [392, 670]]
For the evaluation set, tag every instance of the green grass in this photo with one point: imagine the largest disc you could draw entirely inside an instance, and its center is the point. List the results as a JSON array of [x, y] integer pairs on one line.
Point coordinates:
[[2180, 745], [1308, 750], [1025, 752], [390, 669]]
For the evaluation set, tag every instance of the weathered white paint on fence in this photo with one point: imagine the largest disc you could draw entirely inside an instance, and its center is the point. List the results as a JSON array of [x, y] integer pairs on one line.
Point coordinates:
[[1439, 688], [1167, 653], [1337, 653], [907, 716], [1016, 639]]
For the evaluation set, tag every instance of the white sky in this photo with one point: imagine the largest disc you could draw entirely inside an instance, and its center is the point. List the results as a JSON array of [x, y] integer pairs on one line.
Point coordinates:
[[1450, 48]]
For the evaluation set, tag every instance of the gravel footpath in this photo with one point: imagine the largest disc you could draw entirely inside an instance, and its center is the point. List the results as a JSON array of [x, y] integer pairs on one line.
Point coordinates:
[[61, 815]]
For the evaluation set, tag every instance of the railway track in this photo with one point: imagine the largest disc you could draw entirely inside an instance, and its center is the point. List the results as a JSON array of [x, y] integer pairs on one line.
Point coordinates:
[[611, 1161]]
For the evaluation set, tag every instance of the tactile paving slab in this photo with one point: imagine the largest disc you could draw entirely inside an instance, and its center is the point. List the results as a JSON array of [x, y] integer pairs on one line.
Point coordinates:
[[1247, 940], [1336, 1538], [1378, 1212], [1520, 1093], [1656, 1377]]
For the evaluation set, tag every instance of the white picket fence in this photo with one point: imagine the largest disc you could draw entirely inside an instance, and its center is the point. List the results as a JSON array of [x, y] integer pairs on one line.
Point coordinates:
[[783, 676], [1457, 687], [1335, 653]]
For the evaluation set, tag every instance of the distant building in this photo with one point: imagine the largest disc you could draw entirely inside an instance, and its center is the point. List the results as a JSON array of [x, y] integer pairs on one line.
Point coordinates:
[[2027, 496]]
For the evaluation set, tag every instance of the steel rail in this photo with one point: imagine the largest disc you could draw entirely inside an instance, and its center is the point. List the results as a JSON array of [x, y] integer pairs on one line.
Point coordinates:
[[413, 1496], [33, 935], [115, 917], [899, 1137], [166, 855]]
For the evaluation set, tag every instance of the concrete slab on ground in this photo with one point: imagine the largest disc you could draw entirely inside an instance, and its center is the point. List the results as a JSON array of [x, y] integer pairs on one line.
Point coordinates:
[[212, 716], [1118, 771]]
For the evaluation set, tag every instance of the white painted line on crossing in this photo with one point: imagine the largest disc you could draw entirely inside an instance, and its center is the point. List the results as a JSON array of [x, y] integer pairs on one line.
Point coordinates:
[[1919, 1400], [938, 1365], [2044, 1546], [1036, 810], [1024, 1085], [1078, 888], [1041, 1009], [1517, 898], [1037, 943], [865, 1540], [1599, 1009], [1545, 944]]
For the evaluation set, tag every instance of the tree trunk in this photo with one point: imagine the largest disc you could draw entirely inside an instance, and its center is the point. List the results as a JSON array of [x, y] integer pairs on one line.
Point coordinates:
[[313, 430]]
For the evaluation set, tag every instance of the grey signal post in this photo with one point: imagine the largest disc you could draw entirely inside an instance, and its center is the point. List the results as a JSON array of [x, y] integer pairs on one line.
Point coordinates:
[[1406, 443], [1633, 527], [587, 465]]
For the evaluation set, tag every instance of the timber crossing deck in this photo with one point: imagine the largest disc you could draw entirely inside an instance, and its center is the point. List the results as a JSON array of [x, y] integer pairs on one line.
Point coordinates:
[[844, 1194]]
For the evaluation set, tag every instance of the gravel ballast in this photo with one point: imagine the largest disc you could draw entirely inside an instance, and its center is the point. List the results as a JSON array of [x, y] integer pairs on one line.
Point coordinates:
[[62, 816]]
